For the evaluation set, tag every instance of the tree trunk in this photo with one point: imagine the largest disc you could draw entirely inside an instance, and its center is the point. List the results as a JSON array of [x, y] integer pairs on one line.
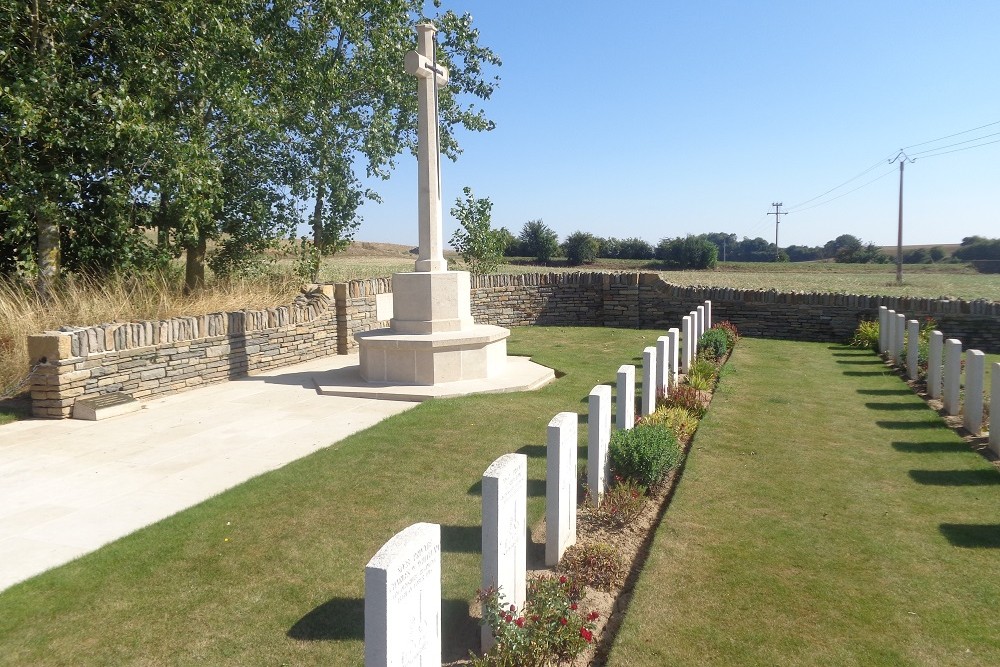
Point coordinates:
[[194, 270], [319, 240], [162, 222], [48, 255]]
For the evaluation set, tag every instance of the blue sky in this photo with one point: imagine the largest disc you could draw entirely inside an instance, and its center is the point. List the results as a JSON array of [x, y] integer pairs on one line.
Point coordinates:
[[656, 119]]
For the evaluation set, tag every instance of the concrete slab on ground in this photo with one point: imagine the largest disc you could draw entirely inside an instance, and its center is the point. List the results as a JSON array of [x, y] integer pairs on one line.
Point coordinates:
[[69, 486]]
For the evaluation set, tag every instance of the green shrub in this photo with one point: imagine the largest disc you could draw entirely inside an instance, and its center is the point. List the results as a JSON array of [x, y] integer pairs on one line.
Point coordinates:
[[596, 565], [713, 344], [680, 422], [866, 335], [644, 454], [551, 628], [687, 397], [702, 374], [622, 504], [728, 328]]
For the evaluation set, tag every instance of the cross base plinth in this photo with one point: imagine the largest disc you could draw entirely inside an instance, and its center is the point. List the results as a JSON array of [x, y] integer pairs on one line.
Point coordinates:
[[476, 353]]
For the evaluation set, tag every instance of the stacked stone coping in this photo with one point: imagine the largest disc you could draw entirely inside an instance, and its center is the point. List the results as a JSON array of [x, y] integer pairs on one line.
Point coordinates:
[[151, 358]]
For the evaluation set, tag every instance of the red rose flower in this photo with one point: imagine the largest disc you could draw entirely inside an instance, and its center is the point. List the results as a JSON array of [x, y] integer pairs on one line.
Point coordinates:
[[586, 634], [563, 621], [520, 622]]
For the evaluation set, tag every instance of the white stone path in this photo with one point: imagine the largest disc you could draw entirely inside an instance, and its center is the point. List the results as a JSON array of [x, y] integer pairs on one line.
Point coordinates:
[[68, 487]]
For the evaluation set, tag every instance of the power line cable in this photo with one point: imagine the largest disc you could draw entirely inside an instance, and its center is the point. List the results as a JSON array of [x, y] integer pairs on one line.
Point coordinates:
[[957, 150], [957, 143], [850, 180], [924, 143], [878, 178]]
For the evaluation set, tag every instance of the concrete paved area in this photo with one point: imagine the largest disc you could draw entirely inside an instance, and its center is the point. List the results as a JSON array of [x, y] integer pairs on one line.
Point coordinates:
[[67, 487]]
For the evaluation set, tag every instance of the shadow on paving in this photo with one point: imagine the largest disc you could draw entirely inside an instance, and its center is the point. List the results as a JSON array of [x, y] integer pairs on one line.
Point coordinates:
[[972, 536], [930, 447], [344, 619], [988, 477]]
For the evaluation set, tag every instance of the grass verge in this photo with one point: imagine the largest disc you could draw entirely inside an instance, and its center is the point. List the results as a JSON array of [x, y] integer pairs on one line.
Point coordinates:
[[272, 571], [826, 517]]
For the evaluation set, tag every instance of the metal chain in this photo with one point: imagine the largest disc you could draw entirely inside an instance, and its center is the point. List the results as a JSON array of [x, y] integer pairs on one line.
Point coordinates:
[[16, 389]]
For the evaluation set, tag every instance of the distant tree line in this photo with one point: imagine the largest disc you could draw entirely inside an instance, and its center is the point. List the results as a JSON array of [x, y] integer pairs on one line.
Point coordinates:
[[703, 251]]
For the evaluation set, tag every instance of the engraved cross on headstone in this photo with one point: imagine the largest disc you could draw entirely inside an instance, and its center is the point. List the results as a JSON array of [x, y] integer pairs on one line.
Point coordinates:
[[422, 64]]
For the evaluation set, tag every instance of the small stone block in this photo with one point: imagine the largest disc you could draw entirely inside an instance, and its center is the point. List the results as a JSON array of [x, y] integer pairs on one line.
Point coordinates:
[[104, 406]]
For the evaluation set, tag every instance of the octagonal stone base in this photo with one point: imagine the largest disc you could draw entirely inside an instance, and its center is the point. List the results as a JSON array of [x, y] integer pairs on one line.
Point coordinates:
[[389, 357]]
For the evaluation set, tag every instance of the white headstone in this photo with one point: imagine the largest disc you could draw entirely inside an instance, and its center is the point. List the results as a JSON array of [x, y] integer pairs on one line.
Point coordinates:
[[673, 349], [975, 375], [687, 325], [995, 409], [625, 401], [952, 375], [695, 334], [934, 360], [912, 348], [505, 556], [648, 381], [430, 76], [662, 365], [702, 322], [883, 328], [598, 436], [403, 600], [897, 346], [890, 341], [560, 487], [708, 315]]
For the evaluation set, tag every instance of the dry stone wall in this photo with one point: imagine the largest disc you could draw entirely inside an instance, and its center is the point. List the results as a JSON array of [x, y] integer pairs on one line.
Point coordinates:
[[147, 359]]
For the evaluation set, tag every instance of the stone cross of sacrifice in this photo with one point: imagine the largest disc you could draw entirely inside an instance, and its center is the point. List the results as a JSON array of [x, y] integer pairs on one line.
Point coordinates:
[[430, 76]]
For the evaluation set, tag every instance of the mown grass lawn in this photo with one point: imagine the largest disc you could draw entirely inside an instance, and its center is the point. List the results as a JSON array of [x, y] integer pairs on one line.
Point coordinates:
[[272, 572], [826, 517]]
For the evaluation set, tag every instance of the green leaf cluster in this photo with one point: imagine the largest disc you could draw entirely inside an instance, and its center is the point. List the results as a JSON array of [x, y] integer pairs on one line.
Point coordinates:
[[481, 247], [133, 132]]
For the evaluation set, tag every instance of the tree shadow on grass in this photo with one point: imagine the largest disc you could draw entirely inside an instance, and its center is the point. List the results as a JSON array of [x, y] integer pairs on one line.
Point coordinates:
[[906, 425], [930, 448], [885, 392], [859, 362], [344, 619], [895, 407], [861, 374], [972, 536], [956, 477], [855, 353]]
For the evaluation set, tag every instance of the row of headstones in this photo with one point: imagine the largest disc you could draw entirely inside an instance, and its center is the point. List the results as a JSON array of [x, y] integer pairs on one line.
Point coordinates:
[[944, 370], [403, 580]]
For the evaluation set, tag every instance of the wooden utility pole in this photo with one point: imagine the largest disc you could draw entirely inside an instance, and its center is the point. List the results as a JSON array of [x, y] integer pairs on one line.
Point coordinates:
[[777, 213], [903, 158]]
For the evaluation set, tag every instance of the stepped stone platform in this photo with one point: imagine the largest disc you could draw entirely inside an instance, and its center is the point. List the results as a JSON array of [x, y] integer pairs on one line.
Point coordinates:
[[519, 374]]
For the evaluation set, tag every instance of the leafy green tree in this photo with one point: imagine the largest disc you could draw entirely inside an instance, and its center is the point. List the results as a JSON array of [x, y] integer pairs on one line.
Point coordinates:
[[635, 248], [936, 253], [211, 122], [538, 240], [480, 246], [580, 248], [978, 248], [690, 252]]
